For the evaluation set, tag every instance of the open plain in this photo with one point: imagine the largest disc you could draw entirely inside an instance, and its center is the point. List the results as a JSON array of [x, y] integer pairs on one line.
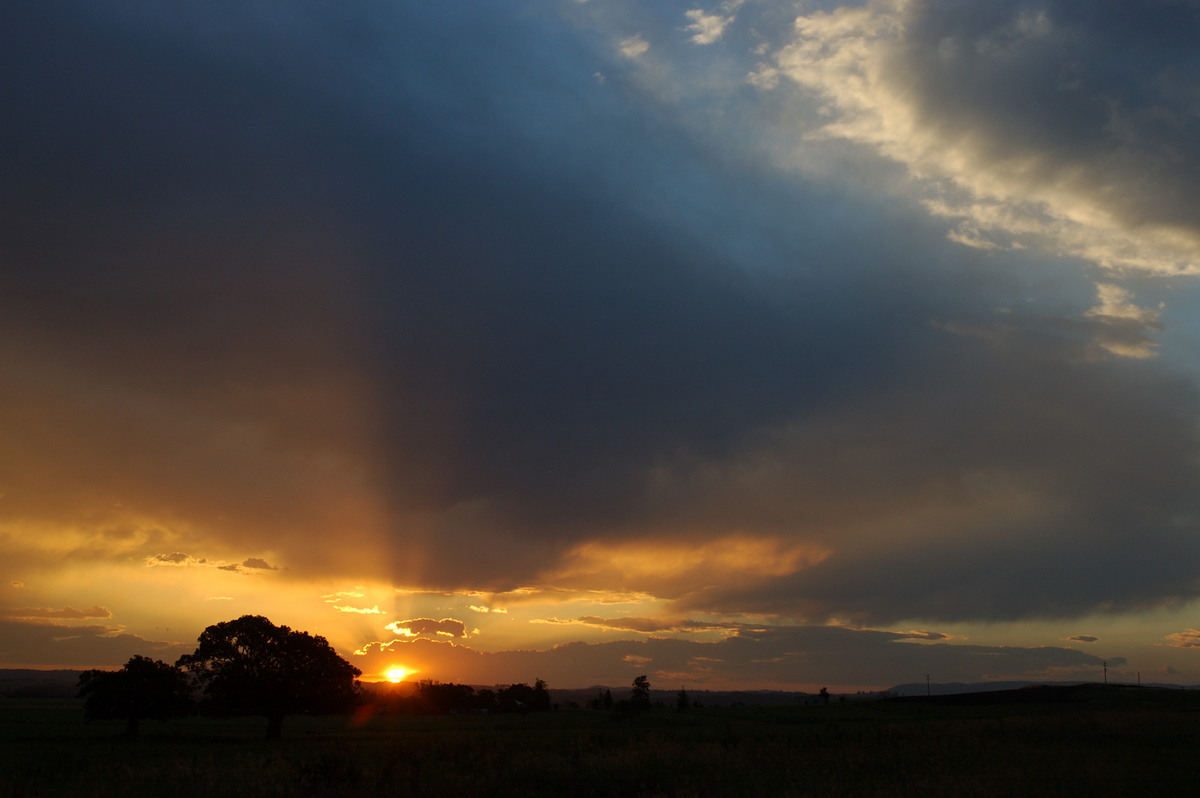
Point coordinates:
[[1089, 740]]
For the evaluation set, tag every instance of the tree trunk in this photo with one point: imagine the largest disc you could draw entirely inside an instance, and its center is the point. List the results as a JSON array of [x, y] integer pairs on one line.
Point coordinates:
[[274, 727]]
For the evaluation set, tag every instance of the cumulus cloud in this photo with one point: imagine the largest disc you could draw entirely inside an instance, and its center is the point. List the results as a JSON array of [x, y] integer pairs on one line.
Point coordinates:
[[706, 28], [1188, 638], [1022, 130], [418, 627], [1126, 326], [634, 47]]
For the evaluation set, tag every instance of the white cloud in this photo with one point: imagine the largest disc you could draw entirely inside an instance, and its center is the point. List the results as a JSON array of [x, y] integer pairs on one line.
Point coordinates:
[[633, 47], [1126, 326], [879, 86], [1116, 302], [706, 28]]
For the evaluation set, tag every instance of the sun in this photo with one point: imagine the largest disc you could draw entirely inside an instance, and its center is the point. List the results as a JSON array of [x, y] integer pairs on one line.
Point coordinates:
[[396, 674]]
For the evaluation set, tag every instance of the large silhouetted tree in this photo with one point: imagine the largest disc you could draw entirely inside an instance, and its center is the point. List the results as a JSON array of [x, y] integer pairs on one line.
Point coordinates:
[[250, 666], [142, 688]]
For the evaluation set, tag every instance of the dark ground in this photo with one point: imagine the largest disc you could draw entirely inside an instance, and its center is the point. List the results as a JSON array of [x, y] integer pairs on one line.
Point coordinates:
[[1092, 740]]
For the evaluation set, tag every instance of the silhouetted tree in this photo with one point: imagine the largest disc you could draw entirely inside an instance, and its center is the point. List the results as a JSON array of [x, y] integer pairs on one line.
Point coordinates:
[[142, 688], [681, 700], [523, 698], [250, 666], [639, 697], [825, 695]]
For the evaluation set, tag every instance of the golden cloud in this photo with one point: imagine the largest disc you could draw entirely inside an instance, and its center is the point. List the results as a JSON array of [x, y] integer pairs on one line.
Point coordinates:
[[30, 613], [417, 627], [685, 565], [1188, 638]]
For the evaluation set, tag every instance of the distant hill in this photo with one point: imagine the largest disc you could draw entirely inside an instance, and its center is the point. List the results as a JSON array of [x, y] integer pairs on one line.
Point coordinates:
[[709, 698], [28, 683], [954, 688], [1092, 694], [957, 688]]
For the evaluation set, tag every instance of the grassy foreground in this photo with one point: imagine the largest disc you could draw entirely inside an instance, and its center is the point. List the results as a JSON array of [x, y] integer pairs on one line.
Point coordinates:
[[1094, 741]]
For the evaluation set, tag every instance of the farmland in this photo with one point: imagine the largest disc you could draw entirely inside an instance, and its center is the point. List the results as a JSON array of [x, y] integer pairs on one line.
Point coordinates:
[[1093, 740]]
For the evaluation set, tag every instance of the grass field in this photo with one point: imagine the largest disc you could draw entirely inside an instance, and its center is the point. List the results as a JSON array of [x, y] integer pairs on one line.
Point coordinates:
[[1094, 741]]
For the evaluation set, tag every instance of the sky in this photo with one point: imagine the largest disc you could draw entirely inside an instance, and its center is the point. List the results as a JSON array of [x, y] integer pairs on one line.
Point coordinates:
[[744, 345]]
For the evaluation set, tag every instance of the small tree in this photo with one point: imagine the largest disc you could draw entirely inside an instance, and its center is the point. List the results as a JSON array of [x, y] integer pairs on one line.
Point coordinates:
[[142, 688], [249, 666], [681, 701], [639, 698]]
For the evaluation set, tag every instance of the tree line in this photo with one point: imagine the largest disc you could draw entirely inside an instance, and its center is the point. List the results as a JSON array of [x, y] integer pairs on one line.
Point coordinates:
[[432, 697], [251, 667]]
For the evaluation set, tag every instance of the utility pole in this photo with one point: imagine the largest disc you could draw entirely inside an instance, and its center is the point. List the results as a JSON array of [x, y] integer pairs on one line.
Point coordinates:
[[1106, 671], [927, 688]]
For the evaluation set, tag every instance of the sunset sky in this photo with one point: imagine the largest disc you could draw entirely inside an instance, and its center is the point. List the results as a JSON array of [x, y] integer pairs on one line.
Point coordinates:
[[752, 344]]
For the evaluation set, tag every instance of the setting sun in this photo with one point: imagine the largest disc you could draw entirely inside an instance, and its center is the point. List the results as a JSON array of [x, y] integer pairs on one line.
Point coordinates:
[[396, 674]]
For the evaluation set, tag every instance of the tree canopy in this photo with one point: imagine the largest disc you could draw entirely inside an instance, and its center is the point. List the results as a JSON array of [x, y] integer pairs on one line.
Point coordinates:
[[143, 688], [250, 666]]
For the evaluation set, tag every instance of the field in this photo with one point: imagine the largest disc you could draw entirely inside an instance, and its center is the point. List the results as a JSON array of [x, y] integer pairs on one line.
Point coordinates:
[[1091, 740]]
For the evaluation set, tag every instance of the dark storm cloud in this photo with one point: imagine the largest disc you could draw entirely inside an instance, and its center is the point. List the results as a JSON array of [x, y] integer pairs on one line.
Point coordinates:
[[1101, 92], [47, 645], [1013, 480], [407, 291]]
